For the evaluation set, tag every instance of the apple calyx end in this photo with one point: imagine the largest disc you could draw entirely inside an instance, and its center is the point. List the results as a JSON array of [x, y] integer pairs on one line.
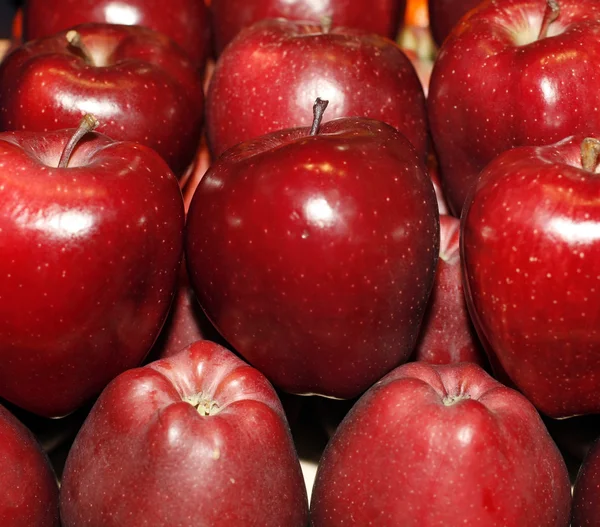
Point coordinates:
[[590, 153], [451, 400], [550, 15], [318, 111], [87, 124], [203, 404]]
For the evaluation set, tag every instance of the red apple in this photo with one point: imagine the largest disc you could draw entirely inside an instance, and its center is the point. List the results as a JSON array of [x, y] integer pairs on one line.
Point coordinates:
[[531, 247], [445, 14], [382, 17], [512, 74], [199, 439], [29, 495], [92, 250], [314, 253], [586, 493], [274, 70], [139, 85], [447, 334], [441, 445], [184, 21]]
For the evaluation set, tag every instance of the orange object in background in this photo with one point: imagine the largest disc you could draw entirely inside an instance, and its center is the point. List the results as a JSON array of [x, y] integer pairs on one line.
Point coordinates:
[[417, 13], [17, 26]]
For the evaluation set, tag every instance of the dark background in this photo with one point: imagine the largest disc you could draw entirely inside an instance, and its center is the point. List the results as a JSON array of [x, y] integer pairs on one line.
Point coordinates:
[[7, 12]]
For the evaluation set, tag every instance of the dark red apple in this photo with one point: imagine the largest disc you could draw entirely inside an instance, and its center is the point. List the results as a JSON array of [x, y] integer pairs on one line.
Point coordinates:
[[184, 21], [441, 445], [92, 250], [314, 253], [29, 495], [382, 17], [199, 439], [586, 493], [139, 85], [445, 14], [447, 334], [531, 247], [512, 73], [274, 70]]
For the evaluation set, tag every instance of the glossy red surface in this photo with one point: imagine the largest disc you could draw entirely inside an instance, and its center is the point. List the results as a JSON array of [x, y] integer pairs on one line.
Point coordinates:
[[531, 247], [441, 445], [447, 334], [383, 17], [29, 490], [140, 87], [91, 256], [185, 21], [269, 78], [199, 439], [314, 256], [495, 86], [586, 493]]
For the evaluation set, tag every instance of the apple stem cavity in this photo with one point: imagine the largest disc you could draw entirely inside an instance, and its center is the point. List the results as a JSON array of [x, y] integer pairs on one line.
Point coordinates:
[[203, 404], [74, 39], [450, 400], [326, 23], [318, 111], [88, 123], [550, 15], [590, 153]]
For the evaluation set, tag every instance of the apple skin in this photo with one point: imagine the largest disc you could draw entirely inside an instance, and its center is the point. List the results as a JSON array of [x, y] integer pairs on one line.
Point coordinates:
[[447, 333], [530, 249], [29, 488], [94, 249], [445, 14], [237, 466], [488, 94], [441, 445], [314, 256], [184, 21], [270, 75], [143, 89], [586, 494], [382, 17]]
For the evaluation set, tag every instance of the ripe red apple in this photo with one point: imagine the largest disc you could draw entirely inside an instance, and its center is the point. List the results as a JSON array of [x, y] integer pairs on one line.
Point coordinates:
[[137, 82], [29, 490], [197, 439], [513, 73], [447, 334], [445, 14], [274, 70], [184, 21], [586, 492], [92, 243], [375, 16], [314, 252], [441, 445], [531, 247]]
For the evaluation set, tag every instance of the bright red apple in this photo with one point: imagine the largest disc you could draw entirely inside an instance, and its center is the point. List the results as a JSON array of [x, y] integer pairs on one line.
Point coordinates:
[[513, 73], [92, 242], [137, 82], [531, 247], [447, 334], [314, 252], [445, 14], [29, 496], [382, 17], [184, 21], [199, 439], [586, 492], [274, 71], [441, 445]]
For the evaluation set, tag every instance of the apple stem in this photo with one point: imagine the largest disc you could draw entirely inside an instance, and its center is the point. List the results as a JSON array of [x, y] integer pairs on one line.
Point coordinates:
[[590, 152], [74, 39], [550, 15], [318, 110], [88, 123], [326, 23]]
